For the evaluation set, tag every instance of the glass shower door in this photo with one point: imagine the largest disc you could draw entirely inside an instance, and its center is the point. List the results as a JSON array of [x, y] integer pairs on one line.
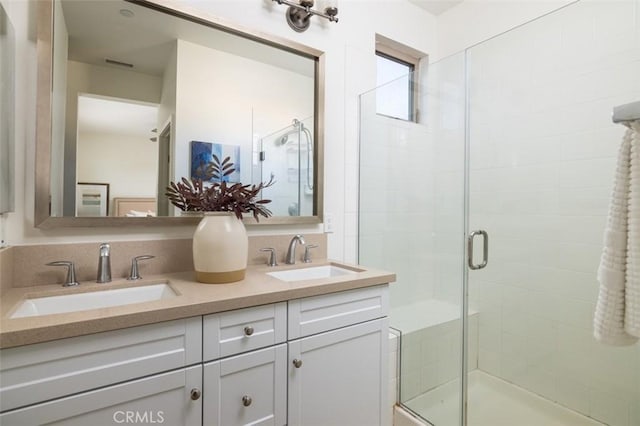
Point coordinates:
[[543, 153], [411, 222], [527, 116]]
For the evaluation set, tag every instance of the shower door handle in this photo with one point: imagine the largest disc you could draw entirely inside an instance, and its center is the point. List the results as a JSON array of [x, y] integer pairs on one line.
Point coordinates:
[[485, 249]]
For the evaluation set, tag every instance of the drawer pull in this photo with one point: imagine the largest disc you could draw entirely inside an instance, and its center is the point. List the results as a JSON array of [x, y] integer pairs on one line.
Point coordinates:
[[248, 330], [297, 363], [246, 400], [195, 394]]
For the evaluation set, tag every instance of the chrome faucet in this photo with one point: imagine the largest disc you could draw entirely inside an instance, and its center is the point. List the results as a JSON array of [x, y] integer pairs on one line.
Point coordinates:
[[104, 264], [291, 253]]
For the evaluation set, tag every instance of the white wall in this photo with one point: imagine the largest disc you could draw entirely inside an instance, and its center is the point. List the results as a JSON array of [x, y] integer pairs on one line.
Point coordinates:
[[83, 78], [220, 106], [350, 70], [100, 159], [474, 21], [167, 106], [20, 15]]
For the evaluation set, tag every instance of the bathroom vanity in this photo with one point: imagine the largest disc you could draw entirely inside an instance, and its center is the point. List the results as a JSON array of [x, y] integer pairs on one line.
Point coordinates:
[[262, 351]]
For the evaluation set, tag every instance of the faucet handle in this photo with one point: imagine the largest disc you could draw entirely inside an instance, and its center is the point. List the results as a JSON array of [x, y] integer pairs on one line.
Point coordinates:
[[70, 281], [272, 257], [133, 274], [307, 252]]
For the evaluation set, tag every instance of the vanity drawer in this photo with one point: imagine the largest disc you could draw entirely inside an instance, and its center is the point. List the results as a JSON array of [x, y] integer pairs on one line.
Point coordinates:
[[242, 330], [312, 315], [44, 371]]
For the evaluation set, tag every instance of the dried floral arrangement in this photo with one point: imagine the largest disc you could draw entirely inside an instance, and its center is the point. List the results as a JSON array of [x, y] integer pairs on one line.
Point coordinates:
[[192, 194]]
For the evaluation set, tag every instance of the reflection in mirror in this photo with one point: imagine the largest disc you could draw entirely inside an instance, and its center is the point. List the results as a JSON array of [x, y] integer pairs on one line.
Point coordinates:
[[288, 153], [107, 128], [141, 97]]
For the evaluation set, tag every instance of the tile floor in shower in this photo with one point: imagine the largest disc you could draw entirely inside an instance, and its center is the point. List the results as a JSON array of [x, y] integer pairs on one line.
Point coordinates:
[[431, 365], [494, 402]]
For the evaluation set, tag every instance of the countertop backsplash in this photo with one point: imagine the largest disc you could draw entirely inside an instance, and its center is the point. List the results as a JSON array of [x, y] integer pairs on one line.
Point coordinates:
[[25, 266], [6, 268]]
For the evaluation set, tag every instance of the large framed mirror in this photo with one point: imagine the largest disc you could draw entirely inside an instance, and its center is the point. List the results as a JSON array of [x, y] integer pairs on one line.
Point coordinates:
[[133, 94]]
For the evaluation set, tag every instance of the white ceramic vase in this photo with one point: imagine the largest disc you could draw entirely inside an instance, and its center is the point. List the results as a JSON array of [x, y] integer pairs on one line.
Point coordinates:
[[220, 248]]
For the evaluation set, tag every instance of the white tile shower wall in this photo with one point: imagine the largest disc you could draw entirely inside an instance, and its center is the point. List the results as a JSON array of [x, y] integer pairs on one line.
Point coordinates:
[[412, 192], [431, 356], [447, 118], [396, 202], [542, 156]]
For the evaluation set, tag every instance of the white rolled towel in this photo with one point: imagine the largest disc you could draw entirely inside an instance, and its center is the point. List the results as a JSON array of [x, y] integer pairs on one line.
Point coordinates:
[[617, 311], [632, 277]]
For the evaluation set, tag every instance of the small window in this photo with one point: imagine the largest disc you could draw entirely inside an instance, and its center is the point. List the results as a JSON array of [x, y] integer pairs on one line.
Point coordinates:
[[397, 69], [394, 96]]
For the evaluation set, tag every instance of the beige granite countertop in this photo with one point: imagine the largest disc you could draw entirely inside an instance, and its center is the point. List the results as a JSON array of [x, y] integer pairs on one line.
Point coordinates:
[[194, 299]]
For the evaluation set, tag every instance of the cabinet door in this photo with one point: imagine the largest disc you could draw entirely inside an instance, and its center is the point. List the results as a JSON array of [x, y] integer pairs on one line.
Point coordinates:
[[164, 399], [247, 389], [340, 377], [45, 371]]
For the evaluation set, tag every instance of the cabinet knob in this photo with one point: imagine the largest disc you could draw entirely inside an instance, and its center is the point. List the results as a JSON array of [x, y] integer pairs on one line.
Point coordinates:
[[246, 400], [297, 363], [248, 330], [195, 394]]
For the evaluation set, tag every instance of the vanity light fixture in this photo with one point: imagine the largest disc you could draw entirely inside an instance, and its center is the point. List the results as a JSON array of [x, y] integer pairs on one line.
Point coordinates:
[[300, 12]]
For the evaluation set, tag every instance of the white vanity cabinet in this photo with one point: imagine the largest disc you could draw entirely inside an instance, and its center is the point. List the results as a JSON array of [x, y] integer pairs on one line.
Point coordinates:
[[45, 371], [247, 389], [171, 398], [248, 385], [339, 376], [318, 360], [145, 373]]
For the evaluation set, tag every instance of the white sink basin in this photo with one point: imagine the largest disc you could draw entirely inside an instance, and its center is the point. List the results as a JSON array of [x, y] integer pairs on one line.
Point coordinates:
[[93, 300], [312, 273]]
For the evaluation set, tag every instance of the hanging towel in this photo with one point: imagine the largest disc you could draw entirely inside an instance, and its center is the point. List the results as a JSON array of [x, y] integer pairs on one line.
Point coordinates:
[[617, 315]]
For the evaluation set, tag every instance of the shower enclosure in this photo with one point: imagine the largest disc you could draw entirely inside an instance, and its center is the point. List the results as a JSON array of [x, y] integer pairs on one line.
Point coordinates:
[[286, 155], [515, 139]]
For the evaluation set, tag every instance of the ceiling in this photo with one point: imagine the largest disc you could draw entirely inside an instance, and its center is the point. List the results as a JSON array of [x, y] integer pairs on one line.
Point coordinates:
[[436, 7]]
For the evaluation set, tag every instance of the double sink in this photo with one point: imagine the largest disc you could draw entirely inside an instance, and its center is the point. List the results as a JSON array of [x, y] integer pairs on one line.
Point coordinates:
[[74, 302]]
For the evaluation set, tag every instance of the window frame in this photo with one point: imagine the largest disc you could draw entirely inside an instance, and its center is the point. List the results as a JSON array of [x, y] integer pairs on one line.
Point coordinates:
[[405, 55], [412, 107]]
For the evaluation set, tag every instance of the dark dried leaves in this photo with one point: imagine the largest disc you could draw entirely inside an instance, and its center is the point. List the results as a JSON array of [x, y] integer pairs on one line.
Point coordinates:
[[192, 195]]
